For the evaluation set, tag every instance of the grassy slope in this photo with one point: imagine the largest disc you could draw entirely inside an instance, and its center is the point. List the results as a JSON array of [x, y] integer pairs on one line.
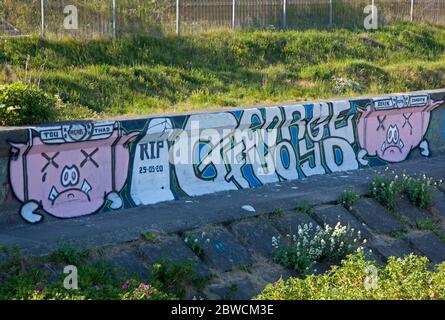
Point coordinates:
[[149, 75]]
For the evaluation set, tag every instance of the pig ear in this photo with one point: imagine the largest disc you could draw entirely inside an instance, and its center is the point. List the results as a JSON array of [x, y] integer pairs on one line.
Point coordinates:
[[433, 105], [364, 112], [16, 149], [128, 138]]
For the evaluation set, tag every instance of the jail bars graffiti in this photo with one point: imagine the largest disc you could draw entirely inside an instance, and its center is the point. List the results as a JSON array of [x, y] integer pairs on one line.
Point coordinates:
[[80, 169]]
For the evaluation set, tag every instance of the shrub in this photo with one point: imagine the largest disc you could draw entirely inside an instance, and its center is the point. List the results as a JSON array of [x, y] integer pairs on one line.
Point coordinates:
[[174, 277], [146, 292], [418, 190], [22, 104], [385, 191], [66, 253], [310, 245], [36, 278], [401, 279], [194, 246]]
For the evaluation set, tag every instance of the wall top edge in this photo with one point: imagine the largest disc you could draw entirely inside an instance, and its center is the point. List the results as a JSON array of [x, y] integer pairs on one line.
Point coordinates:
[[227, 109]]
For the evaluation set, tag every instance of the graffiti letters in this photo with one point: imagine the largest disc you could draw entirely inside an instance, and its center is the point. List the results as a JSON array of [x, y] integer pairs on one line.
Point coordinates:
[[79, 169]]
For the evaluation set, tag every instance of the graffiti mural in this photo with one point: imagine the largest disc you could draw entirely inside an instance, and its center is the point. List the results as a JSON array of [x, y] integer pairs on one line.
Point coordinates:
[[150, 182], [390, 128], [80, 169], [70, 171], [269, 145]]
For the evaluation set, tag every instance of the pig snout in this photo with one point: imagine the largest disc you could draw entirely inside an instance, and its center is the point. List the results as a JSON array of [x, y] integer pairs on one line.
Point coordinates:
[[70, 176], [393, 135]]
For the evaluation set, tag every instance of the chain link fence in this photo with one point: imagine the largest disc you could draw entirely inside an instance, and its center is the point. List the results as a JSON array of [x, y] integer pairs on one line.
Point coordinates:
[[107, 18]]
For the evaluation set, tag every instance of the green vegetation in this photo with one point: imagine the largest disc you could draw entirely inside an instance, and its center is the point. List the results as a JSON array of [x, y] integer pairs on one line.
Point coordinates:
[[278, 212], [193, 244], [301, 251], [22, 104], [225, 69], [431, 225], [401, 279], [347, 199], [417, 189], [68, 254], [41, 278], [149, 236], [306, 208], [385, 191], [173, 277]]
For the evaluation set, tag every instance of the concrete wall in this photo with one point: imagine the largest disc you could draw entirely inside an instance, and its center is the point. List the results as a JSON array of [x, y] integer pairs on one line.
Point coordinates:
[[71, 170]]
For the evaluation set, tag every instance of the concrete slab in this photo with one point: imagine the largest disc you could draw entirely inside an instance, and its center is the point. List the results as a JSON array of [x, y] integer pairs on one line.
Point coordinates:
[[289, 223], [3, 258], [129, 263], [270, 275], [410, 212], [438, 207], [256, 235], [332, 214], [220, 249], [393, 248], [189, 213], [428, 244], [173, 249], [376, 216], [241, 290]]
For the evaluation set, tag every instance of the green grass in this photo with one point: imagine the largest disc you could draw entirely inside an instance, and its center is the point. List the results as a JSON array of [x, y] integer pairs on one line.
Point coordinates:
[[147, 75]]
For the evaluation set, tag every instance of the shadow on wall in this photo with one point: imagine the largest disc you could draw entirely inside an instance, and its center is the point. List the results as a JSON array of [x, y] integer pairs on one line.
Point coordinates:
[[79, 169]]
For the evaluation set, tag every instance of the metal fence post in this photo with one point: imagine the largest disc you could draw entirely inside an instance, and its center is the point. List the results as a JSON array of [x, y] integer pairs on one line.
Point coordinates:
[[42, 18], [284, 14], [233, 13], [331, 13], [177, 17], [114, 18], [412, 10]]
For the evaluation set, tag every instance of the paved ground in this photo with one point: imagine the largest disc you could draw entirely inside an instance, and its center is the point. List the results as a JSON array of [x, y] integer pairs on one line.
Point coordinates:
[[236, 242]]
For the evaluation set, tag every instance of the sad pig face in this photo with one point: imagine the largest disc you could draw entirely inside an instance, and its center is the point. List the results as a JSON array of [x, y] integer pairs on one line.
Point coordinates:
[[71, 179], [392, 134]]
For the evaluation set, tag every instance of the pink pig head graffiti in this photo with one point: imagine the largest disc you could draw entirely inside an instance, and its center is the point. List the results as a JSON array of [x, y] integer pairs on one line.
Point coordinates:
[[70, 171], [390, 128]]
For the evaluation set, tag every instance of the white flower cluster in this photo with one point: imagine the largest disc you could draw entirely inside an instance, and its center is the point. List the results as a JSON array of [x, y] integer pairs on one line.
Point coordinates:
[[311, 244], [342, 85]]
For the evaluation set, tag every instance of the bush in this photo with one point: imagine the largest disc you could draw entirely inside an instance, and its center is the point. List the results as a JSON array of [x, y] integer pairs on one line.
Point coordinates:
[[401, 279], [22, 104], [37, 278], [417, 189], [310, 245], [385, 191]]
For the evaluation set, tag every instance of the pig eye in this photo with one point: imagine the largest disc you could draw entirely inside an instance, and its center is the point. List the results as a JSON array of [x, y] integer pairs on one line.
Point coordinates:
[[50, 161], [89, 157], [407, 121], [381, 123]]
